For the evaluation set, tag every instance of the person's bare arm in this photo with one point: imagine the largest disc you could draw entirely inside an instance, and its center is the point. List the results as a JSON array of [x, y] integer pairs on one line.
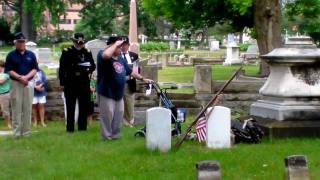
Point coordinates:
[[30, 74], [108, 52], [2, 80], [141, 78]]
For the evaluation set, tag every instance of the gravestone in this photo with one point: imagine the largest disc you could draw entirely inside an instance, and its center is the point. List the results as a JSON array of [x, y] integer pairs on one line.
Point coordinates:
[[179, 44], [208, 170], [95, 46], [171, 45], [214, 45], [296, 167], [150, 72], [300, 41], [31, 46], [251, 53], [5, 133], [202, 78], [158, 133], [44, 55], [290, 103], [218, 128], [233, 55]]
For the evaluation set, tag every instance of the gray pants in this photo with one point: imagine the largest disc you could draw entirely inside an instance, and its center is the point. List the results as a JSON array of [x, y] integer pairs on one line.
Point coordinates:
[[21, 104], [111, 115]]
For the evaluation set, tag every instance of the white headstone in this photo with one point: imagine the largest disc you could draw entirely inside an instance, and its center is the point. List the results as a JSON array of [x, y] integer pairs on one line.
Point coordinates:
[[95, 46], [233, 54], [158, 133], [44, 55], [219, 127], [231, 39], [179, 44], [171, 45], [214, 45], [31, 46]]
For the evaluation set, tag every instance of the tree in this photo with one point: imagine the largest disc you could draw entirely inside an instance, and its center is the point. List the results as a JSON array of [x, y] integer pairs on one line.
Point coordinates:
[[30, 13], [263, 15], [111, 17], [5, 34], [98, 16], [305, 15]]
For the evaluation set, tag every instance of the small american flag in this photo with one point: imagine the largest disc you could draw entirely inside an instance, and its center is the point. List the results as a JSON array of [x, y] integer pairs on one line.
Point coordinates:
[[201, 129]]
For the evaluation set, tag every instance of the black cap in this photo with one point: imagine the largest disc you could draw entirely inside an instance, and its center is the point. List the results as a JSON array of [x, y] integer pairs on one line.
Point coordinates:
[[126, 39], [19, 36], [78, 37], [113, 39]]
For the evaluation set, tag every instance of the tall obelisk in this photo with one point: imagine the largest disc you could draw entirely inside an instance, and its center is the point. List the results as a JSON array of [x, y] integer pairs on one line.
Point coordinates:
[[133, 27]]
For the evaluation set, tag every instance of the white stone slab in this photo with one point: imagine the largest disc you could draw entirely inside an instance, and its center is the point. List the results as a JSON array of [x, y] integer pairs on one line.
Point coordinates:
[[233, 55], [158, 133], [214, 45], [95, 46], [5, 133], [44, 55], [219, 127]]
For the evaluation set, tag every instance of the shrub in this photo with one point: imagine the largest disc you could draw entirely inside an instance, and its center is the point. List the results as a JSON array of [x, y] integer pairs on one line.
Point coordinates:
[[64, 45], [154, 46], [243, 47]]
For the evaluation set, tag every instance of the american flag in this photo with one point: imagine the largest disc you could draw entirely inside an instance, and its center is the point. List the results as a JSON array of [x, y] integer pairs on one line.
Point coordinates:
[[201, 129]]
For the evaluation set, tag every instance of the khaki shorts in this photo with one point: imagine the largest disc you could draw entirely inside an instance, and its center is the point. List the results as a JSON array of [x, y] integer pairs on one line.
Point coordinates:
[[4, 104]]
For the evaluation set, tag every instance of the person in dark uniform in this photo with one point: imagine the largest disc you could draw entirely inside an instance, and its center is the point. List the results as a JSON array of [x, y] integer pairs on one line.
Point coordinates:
[[132, 60], [76, 67]]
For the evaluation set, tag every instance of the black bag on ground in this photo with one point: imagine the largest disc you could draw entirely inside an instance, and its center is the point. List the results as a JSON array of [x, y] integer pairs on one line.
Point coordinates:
[[247, 131]]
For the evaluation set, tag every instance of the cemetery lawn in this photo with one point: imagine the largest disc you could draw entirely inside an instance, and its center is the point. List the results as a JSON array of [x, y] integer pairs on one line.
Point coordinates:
[[51, 153], [219, 72]]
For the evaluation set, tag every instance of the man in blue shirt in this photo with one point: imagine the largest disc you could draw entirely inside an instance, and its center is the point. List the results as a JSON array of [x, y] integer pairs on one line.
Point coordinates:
[[21, 65], [112, 72]]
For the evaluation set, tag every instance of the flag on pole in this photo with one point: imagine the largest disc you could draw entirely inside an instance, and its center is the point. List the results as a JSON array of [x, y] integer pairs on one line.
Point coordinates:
[[201, 129]]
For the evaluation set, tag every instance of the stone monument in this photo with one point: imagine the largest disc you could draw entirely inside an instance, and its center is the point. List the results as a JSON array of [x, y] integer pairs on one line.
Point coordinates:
[[233, 52], [291, 95], [95, 46], [133, 28]]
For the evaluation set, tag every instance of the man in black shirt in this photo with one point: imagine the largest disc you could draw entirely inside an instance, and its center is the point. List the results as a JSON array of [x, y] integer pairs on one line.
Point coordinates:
[[76, 66]]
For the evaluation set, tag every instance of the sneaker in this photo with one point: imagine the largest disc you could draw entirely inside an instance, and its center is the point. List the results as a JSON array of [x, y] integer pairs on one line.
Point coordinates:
[[126, 123], [43, 125]]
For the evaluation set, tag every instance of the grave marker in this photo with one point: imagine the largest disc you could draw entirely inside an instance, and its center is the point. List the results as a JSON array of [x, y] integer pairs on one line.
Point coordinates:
[[158, 133]]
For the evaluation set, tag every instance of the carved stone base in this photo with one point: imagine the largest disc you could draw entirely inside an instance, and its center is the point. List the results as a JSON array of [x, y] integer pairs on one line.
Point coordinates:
[[288, 129], [285, 109]]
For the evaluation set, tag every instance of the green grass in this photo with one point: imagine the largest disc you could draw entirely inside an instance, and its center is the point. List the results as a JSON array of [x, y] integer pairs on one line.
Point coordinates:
[[185, 74], [50, 153]]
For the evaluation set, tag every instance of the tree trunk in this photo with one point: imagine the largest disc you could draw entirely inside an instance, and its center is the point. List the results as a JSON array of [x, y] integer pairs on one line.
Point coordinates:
[[204, 38], [26, 23], [267, 22]]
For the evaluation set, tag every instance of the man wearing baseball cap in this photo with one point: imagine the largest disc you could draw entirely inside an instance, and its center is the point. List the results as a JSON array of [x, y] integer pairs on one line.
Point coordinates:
[[21, 65], [112, 72]]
